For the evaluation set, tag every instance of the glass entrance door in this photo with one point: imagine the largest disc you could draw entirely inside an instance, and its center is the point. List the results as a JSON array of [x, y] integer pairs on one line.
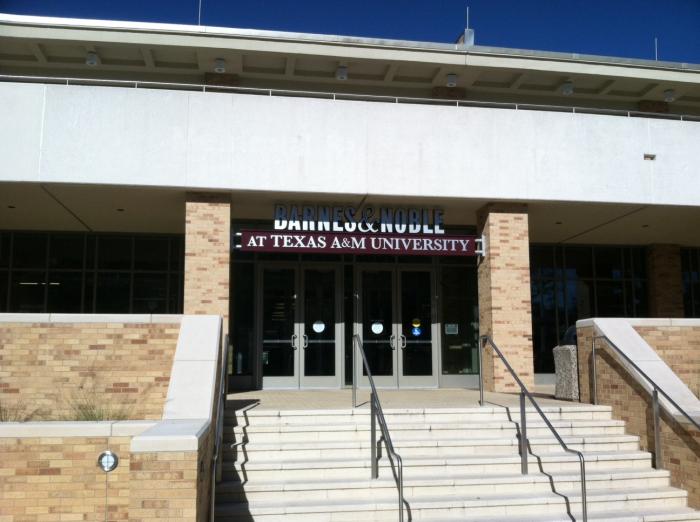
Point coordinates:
[[321, 328], [279, 330], [397, 324], [417, 329], [300, 328]]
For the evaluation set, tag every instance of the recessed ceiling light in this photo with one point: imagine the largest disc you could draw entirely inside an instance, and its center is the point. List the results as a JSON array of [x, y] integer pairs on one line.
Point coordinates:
[[120, 210], [558, 223], [645, 226], [11, 206]]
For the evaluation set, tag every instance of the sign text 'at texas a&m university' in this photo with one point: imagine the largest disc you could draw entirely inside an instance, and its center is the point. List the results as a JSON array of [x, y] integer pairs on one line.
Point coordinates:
[[345, 230]]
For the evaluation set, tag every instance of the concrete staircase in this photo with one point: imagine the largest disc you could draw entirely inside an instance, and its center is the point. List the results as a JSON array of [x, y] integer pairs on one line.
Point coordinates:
[[459, 464]]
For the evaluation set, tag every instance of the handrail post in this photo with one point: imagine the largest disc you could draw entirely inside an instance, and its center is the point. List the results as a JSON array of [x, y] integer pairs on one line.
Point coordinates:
[[658, 457], [482, 342], [595, 371], [523, 435], [373, 436], [354, 375]]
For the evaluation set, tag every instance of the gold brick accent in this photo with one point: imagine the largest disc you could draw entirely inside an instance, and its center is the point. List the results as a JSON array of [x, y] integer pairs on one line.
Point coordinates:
[[665, 281], [504, 294], [207, 254], [50, 367], [47, 479], [680, 442]]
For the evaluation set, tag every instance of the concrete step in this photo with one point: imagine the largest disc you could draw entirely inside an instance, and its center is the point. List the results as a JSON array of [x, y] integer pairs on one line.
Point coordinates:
[[485, 464], [649, 515], [406, 430], [380, 508], [416, 486], [452, 415], [273, 451]]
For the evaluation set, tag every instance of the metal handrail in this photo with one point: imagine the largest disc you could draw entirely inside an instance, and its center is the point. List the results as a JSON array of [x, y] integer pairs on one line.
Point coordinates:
[[523, 419], [658, 453], [65, 80], [377, 417], [216, 468]]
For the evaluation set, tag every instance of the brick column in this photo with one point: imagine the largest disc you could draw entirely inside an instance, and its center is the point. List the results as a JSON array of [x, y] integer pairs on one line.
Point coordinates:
[[504, 294], [665, 281], [207, 254]]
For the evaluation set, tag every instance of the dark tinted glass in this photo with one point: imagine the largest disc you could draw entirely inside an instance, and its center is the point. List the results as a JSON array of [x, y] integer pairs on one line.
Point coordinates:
[[113, 290], [608, 262], [151, 253], [3, 290], [150, 293], [66, 251], [578, 262], [542, 261], [114, 252], [242, 317], [28, 291], [29, 251], [4, 249], [177, 254], [610, 299], [65, 291]]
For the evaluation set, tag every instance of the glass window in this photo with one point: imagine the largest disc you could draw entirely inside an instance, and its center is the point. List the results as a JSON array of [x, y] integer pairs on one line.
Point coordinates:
[[114, 252], [65, 291], [242, 325], [578, 262], [177, 254], [150, 293], [460, 321], [608, 262], [3, 290], [4, 249], [581, 282], [610, 299], [29, 251], [151, 253], [28, 291], [113, 292], [66, 251], [690, 266]]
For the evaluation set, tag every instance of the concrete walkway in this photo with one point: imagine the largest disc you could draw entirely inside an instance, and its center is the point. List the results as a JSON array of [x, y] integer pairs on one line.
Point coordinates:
[[391, 399]]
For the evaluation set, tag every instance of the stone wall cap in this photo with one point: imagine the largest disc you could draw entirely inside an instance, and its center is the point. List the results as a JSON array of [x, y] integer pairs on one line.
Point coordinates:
[[91, 318], [171, 435], [641, 322], [48, 429]]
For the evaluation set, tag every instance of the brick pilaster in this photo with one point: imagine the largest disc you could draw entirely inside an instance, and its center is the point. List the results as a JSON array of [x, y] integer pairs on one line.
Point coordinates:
[[504, 294], [207, 254], [665, 281]]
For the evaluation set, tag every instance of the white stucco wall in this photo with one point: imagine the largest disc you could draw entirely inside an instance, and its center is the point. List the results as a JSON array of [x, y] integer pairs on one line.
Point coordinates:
[[106, 135]]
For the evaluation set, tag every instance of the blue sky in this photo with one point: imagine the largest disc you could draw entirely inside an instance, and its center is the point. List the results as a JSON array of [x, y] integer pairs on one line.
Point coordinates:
[[609, 27]]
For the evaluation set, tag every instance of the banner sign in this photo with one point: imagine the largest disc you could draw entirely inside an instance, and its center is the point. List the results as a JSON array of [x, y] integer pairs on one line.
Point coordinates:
[[348, 243]]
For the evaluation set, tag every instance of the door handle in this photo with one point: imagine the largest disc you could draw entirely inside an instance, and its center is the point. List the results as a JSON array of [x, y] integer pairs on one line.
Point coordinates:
[[294, 341], [306, 340], [392, 342], [403, 341]]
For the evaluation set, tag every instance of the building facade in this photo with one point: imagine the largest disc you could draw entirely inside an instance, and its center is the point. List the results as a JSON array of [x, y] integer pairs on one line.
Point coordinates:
[[312, 188]]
